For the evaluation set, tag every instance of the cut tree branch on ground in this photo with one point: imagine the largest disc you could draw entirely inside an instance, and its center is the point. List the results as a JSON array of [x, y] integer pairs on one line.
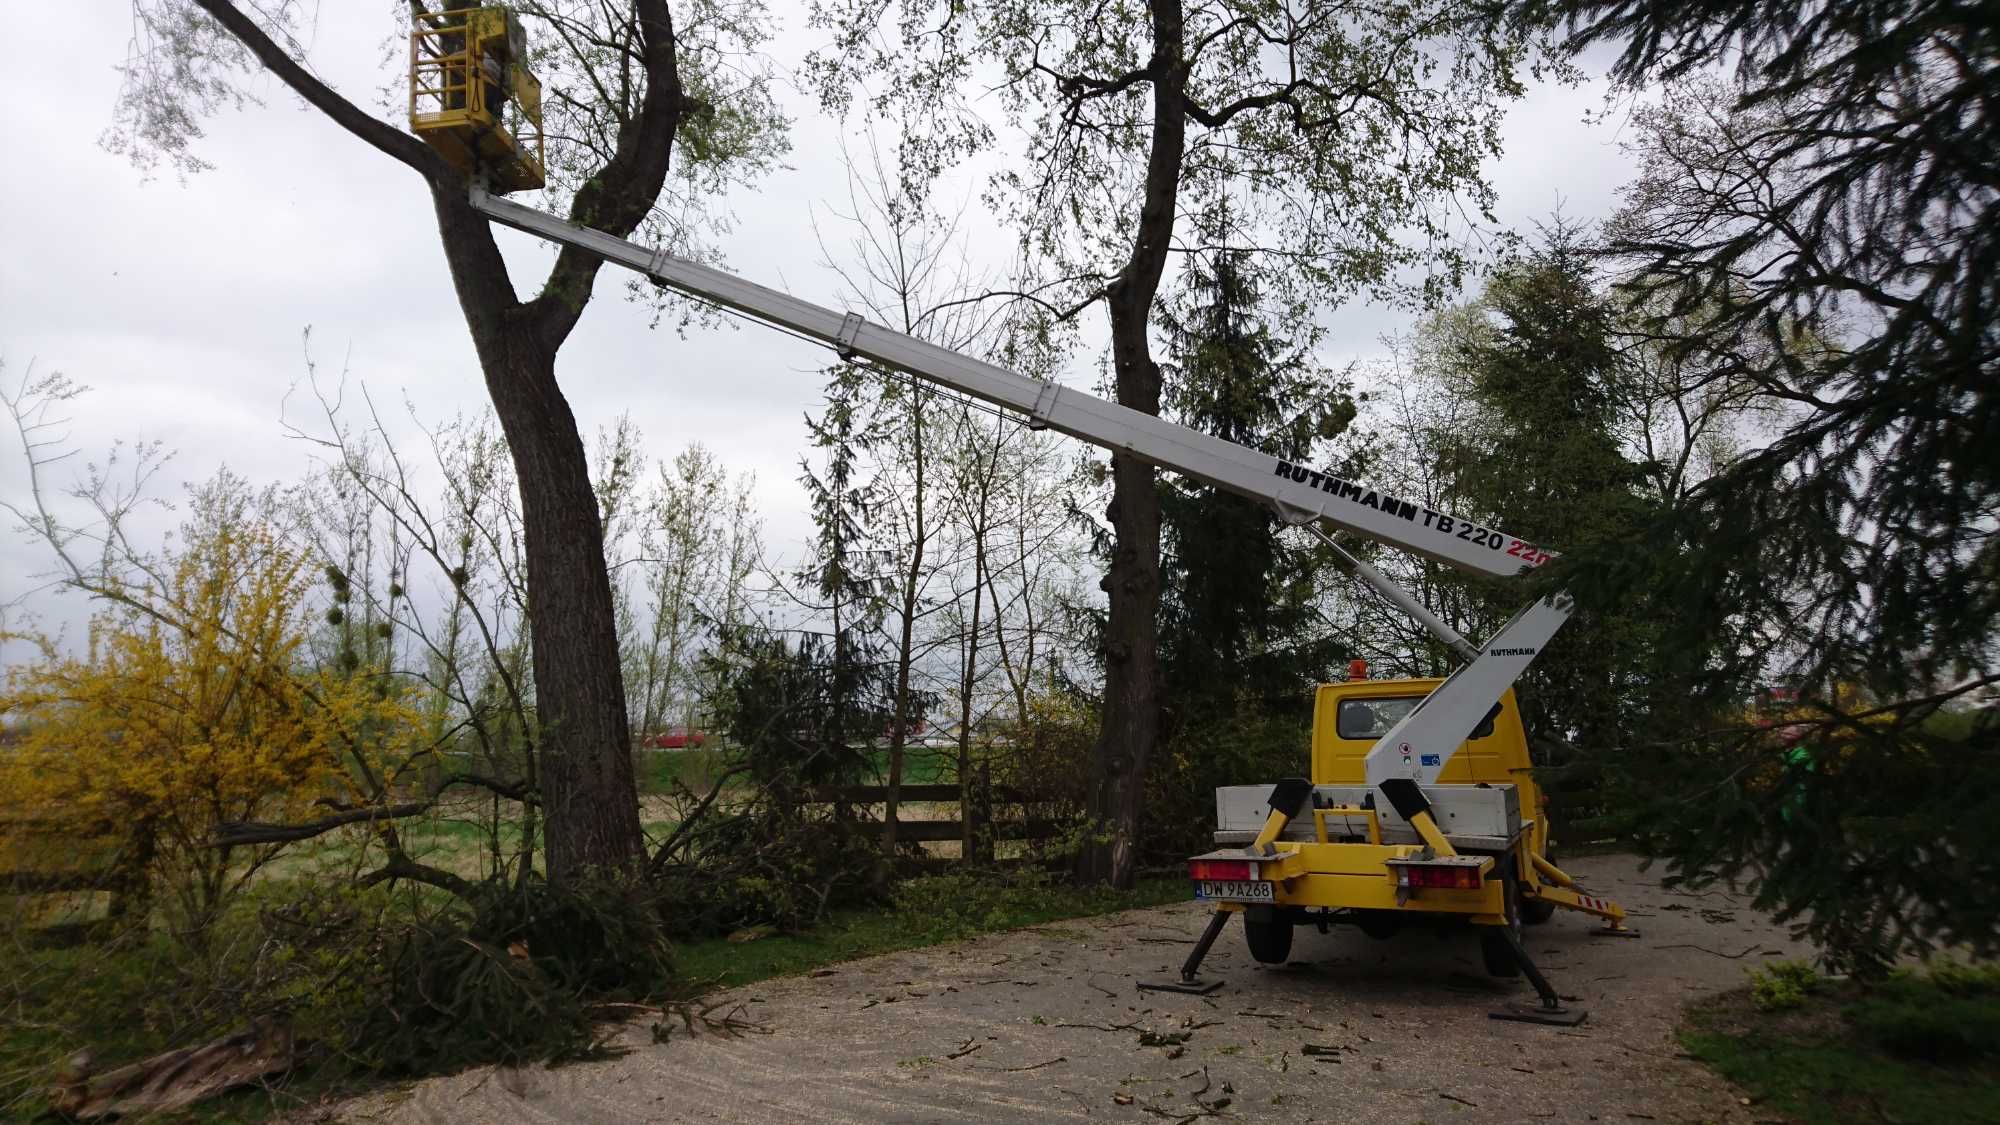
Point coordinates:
[[175, 1079]]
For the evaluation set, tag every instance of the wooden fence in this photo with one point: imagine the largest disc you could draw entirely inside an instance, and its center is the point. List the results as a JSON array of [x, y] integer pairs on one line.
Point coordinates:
[[1013, 821]]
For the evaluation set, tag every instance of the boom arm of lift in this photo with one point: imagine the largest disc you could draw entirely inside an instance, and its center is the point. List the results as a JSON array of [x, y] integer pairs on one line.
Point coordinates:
[[1416, 748]]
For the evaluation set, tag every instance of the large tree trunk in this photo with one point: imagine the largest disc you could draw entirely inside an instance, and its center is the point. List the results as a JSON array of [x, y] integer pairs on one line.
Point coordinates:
[[1132, 585], [583, 742], [585, 783], [1131, 721], [584, 759]]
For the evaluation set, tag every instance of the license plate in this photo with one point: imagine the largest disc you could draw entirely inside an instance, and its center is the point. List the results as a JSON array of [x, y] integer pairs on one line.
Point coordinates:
[[1262, 890]]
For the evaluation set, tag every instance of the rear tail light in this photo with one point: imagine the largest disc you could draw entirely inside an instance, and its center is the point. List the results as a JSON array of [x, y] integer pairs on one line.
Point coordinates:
[[1221, 869]]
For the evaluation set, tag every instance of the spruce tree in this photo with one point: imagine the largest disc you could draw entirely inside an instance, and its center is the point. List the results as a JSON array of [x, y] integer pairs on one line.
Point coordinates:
[[1825, 225], [1237, 623], [1541, 363]]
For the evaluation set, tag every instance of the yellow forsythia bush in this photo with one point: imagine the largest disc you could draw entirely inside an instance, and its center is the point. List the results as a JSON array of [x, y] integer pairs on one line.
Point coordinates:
[[193, 705]]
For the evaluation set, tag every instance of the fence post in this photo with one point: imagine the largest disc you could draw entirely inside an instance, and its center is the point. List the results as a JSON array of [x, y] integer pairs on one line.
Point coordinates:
[[980, 815]]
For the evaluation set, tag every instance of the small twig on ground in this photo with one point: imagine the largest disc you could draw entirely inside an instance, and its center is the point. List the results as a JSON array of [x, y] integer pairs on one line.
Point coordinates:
[[1018, 1069], [1100, 988], [1715, 953], [1456, 1098], [1101, 1027], [476, 1085], [609, 1006], [731, 1023], [1079, 1098], [1687, 894], [965, 1049]]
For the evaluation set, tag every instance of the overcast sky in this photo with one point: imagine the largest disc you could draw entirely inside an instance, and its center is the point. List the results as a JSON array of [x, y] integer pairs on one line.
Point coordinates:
[[183, 304]]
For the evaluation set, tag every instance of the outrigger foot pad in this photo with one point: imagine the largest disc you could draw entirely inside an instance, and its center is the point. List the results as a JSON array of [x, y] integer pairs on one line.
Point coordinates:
[[1194, 987], [1557, 1016], [1615, 931], [1188, 981]]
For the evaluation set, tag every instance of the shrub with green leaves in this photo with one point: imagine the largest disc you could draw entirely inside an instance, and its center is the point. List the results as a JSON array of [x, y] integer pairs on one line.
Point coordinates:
[[1950, 1014], [1781, 985], [768, 865], [1234, 747]]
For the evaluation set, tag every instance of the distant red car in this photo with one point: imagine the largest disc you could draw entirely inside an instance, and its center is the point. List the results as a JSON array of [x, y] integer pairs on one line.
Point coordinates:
[[674, 738]]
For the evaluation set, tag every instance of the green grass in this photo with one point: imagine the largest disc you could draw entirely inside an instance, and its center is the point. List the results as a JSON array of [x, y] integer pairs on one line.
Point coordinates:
[[926, 911], [922, 765], [1916, 1048], [658, 770]]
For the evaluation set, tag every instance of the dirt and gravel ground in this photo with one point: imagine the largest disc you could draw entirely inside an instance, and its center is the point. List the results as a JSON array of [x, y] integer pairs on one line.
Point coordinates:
[[1046, 1024]]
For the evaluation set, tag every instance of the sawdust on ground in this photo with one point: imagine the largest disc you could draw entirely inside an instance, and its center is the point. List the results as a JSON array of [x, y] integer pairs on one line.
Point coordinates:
[[1046, 1024]]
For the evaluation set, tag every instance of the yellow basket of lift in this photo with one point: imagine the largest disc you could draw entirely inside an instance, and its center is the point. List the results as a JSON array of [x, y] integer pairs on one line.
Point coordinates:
[[473, 99]]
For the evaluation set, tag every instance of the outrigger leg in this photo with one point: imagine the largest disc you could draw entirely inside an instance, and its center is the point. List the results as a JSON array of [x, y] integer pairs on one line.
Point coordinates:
[[1190, 982], [1550, 1010], [1557, 887]]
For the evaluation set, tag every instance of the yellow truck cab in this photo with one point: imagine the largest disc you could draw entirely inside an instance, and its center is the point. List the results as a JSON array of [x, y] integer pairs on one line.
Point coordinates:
[[1471, 846], [1348, 719]]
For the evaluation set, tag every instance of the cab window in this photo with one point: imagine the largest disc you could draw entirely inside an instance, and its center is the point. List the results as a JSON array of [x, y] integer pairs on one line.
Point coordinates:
[[1370, 719]]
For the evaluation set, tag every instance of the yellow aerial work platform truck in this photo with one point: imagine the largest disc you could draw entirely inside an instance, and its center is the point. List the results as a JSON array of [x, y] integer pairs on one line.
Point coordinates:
[[1471, 847], [1420, 804]]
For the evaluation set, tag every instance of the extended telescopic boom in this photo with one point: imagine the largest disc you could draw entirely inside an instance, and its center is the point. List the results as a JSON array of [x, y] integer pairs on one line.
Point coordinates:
[[1417, 747]]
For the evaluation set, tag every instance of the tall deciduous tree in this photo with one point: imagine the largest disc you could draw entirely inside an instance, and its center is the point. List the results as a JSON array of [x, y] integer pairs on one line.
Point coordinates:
[[697, 543], [1347, 130], [900, 269], [629, 94]]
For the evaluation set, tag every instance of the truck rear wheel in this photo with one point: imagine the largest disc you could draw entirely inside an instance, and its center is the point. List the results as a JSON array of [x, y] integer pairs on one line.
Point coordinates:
[[1269, 934], [1535, 911]]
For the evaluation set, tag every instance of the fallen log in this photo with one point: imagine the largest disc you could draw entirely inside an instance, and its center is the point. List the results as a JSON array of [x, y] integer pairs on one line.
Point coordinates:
[[175, 1079]]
